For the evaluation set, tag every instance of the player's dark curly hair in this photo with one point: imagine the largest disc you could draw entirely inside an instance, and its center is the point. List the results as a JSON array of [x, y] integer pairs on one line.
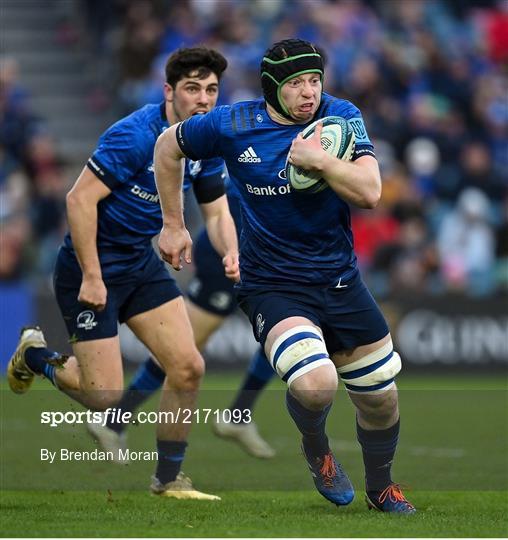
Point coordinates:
[[198, 61]]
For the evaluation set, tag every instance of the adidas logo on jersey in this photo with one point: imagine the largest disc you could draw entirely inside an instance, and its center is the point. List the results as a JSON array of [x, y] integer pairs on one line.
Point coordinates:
[[249, 156]]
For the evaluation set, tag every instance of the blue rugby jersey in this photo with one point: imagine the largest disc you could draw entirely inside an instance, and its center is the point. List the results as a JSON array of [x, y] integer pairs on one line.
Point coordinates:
[[286, 237], [130, 216]]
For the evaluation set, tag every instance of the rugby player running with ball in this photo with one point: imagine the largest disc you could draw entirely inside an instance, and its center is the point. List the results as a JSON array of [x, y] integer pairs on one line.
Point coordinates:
[[300, 285]]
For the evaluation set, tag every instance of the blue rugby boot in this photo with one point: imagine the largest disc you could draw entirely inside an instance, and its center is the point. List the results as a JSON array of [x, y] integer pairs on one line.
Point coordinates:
[[329, 478], [390, 499]]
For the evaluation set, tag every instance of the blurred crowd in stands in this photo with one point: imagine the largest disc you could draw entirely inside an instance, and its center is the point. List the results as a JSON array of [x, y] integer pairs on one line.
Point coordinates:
[[33, 184], [430, 77]]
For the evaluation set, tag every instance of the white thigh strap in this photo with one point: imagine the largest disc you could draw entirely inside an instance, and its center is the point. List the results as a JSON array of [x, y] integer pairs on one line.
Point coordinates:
[[372, 373], [298, 351]]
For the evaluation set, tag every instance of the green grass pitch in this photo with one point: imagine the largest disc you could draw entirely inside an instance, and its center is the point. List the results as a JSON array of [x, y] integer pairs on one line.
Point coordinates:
[[453, 456]]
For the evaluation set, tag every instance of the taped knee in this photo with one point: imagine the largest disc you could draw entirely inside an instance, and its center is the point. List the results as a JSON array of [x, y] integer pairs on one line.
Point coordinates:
[[298, 351], [374, 373]]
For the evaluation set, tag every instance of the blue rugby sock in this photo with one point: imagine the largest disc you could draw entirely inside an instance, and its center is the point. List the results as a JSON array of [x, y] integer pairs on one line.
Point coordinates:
[[260, 367], [36, 359], [311, 425], [147, 379], [258, 376], [378, 447], [170, 457]]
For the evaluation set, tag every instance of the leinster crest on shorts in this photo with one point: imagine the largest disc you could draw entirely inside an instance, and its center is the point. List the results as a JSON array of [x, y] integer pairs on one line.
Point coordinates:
[[260, 324]]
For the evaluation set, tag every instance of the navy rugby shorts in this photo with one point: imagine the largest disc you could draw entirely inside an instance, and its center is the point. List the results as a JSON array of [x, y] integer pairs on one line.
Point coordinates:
[[348, 316], [210, 289], [146, 288]]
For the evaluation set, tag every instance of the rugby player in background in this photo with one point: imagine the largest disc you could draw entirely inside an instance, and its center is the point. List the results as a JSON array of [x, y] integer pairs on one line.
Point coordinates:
[[108, 272], [210, 297], [300, 284]]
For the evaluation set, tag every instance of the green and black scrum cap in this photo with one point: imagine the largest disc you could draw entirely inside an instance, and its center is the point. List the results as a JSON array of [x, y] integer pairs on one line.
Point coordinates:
[[285, 60]]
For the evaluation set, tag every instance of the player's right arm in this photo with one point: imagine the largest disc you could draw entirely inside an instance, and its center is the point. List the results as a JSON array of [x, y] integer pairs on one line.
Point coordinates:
[[174, 240], [197, 138], [82, 201]]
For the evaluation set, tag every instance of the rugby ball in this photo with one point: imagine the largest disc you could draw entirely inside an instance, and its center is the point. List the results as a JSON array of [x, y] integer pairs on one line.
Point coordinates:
[[336, 138]]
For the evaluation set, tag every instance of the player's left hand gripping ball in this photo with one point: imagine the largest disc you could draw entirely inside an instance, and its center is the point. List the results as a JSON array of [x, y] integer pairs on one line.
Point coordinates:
[[337, 139]]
